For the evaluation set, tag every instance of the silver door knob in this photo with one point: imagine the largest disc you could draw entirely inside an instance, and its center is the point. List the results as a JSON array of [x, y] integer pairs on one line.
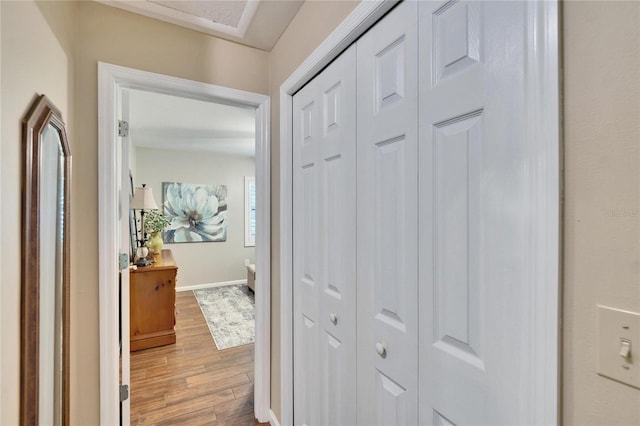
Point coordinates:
[[333, 318], [381, 348]]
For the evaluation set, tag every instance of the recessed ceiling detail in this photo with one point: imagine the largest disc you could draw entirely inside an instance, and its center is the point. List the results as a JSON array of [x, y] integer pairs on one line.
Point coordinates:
[[223, 12], [253, 23]]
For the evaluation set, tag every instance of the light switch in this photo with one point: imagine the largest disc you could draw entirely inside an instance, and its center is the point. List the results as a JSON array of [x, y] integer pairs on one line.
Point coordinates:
[[619, 345], [625, 348]]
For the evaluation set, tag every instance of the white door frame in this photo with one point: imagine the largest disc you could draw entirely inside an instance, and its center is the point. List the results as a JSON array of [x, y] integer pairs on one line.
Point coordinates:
[[110, 79], [544, 153]]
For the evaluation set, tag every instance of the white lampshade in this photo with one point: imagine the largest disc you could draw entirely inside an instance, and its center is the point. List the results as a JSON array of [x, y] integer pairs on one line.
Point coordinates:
[[143, 199]]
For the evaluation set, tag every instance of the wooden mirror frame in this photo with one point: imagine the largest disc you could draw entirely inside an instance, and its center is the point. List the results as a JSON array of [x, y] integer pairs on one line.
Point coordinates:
[[41, 113]]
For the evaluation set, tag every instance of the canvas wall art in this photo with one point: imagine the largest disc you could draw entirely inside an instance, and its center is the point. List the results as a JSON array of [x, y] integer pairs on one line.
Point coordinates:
[[198, 212]]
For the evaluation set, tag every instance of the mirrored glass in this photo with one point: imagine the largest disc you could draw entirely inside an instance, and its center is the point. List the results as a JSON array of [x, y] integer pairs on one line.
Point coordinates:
[[51, 236]]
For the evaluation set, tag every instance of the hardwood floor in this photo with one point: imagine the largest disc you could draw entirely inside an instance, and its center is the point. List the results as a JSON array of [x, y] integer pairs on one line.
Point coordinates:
[[191, 382]]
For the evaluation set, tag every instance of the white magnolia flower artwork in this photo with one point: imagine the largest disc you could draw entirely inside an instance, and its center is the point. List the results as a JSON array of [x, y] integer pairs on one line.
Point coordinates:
[[198, 212]]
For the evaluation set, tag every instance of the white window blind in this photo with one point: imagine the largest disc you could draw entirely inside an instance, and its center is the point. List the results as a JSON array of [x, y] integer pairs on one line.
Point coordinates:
[[249, 211]]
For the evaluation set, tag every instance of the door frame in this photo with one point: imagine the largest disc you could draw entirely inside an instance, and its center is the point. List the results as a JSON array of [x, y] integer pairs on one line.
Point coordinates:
[[544, 148], [111, 78]]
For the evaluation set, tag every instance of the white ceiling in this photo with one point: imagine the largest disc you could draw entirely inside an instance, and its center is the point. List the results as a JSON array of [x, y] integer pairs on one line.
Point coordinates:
[[169, 122], [255, 23]]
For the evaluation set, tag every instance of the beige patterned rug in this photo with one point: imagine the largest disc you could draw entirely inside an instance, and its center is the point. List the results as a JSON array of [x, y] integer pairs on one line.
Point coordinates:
[[230, 314]]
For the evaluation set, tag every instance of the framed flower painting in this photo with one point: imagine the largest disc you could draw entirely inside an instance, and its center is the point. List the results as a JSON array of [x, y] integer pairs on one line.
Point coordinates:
[[198, 212]]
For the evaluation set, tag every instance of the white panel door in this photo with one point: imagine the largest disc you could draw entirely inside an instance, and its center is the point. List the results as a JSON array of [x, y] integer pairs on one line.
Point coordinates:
[[473, 304], [124, 224], [387, 168], [324, 229]]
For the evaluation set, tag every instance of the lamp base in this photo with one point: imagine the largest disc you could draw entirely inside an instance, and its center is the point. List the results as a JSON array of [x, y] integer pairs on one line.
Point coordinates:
[[143, 261], [142, 253]]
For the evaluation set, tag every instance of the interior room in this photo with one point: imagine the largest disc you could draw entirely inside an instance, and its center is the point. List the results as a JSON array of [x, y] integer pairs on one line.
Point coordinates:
[[493, 150], [178, 140], [187, 151]]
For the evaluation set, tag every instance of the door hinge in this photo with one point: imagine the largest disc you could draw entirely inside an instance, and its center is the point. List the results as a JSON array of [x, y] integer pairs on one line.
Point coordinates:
[[123, 128], [124, 392], [123, 261]]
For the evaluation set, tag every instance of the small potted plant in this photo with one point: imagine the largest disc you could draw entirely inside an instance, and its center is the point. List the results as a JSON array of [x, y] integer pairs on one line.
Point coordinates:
[[154, 223]]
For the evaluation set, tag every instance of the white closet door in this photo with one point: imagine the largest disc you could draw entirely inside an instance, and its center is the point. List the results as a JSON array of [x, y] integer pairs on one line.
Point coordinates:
[[387, 220], [473, 216], [324, 156]]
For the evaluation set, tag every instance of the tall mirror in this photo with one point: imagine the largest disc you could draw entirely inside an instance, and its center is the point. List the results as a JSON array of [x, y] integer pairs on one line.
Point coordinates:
[[44, 374]]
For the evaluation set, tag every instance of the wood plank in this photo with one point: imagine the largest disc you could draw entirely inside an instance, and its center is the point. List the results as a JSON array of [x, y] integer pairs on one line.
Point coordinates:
[[243, 390], [203, 417], [192, 382], [138, 344]]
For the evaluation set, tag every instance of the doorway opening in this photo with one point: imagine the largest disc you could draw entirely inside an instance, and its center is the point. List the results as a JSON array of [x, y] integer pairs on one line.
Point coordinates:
[[116, 85], [198, 160]]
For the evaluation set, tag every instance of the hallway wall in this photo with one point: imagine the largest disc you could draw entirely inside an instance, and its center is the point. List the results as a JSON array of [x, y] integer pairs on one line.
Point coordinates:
[[38, 56], [602, 199]]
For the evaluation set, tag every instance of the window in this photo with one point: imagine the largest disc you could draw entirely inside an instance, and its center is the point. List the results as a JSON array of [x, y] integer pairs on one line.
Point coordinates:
[[249, 211]]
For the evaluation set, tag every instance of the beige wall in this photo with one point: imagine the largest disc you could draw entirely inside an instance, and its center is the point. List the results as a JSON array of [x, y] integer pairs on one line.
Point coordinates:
[[203, 263], [311, 26], [38, 53], [602, 177]]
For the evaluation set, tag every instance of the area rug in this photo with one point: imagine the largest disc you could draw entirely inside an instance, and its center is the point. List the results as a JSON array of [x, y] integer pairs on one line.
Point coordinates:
[[230, 314]]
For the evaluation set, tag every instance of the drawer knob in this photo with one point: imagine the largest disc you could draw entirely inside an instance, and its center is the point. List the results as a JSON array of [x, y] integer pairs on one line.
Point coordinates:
[[333, 318], [381, 348]]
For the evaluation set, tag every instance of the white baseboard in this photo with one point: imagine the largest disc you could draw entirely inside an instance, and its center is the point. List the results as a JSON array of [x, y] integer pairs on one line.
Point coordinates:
[[210, 285], [273, 420]]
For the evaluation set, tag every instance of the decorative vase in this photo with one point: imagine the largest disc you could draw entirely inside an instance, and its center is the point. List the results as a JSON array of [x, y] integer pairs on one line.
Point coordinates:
[[155, 242]]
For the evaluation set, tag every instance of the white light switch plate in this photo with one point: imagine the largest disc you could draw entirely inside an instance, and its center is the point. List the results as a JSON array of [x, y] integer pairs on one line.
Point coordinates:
[[614, 325]]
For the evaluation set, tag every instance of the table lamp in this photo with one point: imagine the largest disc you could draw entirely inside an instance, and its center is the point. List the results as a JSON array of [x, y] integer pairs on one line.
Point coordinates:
[[143, 201]]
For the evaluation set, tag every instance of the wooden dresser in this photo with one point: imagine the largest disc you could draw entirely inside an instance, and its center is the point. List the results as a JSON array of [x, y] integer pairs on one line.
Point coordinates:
[[152, 303]]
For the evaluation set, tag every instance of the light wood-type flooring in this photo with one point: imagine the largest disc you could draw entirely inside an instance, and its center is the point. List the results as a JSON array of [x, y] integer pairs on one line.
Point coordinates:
[[191, 382]]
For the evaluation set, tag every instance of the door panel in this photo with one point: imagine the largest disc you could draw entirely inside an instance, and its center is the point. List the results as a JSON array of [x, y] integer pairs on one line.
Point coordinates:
[[472, 229], [307, 247], [458, 301], [324, 245], [387, 220]]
